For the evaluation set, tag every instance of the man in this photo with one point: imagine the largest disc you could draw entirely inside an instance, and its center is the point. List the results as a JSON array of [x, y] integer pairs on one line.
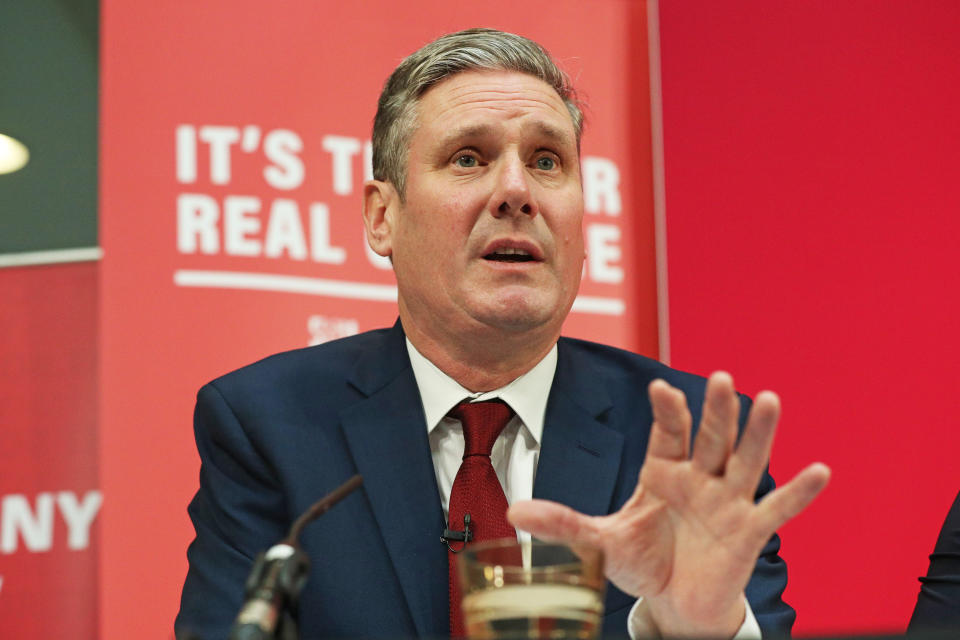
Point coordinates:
[[477, 200]]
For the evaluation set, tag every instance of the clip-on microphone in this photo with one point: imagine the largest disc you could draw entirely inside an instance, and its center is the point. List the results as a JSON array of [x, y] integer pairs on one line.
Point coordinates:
[[452, 535]]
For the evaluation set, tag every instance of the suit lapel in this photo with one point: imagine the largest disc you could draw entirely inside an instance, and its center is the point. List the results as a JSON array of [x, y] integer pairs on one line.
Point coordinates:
[[387, 437], [580, 455]]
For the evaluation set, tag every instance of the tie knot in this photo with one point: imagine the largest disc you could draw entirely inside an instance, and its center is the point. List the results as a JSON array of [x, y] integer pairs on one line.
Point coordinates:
[[482, 423]]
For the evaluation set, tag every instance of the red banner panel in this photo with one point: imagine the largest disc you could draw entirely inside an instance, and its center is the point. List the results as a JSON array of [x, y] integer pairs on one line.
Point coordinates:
[[812, 198], [234, 145], [49, 497]]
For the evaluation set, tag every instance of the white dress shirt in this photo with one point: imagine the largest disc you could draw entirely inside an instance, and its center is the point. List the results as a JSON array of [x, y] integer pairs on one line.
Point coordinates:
[[516, 451]]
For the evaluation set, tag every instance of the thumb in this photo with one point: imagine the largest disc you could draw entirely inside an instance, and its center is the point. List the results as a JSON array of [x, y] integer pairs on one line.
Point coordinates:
[[553, 522]]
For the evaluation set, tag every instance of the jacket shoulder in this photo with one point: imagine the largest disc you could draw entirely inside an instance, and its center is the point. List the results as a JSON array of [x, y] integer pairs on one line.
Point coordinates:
[[620, 366], [324, 364]]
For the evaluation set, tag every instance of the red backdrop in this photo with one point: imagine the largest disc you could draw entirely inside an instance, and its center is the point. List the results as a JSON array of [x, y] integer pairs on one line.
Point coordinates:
[[812, 196], [49, 497], [232, 151]]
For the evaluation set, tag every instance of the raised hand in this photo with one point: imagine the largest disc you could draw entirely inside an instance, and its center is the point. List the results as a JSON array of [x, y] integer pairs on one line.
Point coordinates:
[[688, 538]]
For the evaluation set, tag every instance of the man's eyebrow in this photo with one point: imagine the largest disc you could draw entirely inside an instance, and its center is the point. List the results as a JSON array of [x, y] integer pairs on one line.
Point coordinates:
[[554, 133], [542, 128], [465, 131]]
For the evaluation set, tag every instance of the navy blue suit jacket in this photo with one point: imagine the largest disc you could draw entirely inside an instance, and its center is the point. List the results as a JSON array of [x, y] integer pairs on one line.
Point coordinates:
[[277, 435]]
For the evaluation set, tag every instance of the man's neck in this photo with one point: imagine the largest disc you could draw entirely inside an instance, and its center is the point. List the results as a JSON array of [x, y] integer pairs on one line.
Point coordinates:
[[484, 360]]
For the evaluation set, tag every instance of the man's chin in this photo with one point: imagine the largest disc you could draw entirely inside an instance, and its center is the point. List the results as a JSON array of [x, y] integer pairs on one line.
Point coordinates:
[[517, 317]]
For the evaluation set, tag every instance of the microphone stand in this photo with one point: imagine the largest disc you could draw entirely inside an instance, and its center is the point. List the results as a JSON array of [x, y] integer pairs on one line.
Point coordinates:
[[272, 590]]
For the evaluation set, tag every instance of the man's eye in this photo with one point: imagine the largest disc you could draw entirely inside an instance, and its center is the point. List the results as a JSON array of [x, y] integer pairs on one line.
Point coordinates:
[[546, 163], [466, 161]]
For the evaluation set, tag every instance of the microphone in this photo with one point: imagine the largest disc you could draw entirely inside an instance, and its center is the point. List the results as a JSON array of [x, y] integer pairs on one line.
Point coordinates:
[[273, 587], [452, 535]]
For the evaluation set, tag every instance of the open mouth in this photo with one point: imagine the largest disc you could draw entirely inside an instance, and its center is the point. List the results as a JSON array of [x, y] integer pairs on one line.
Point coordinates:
[[509, 255]]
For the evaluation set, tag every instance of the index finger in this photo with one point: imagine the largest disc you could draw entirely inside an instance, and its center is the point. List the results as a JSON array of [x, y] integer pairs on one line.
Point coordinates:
[[670, 433]]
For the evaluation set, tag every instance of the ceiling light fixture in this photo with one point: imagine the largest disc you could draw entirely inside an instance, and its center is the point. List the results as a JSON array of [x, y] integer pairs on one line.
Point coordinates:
[[13, 154]]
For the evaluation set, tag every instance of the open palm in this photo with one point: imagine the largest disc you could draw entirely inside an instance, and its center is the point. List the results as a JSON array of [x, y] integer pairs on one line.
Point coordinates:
[[688, 538]]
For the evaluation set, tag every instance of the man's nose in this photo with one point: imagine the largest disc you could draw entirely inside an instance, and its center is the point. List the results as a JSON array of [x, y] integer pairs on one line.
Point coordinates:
[[512, 194]]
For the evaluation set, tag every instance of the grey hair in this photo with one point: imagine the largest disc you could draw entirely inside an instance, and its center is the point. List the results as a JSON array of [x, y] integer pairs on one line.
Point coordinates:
[[469, 50]]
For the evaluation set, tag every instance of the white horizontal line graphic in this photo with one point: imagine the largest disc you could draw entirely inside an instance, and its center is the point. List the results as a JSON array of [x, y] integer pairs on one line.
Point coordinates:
[[599, 306], [341, 288], [52, 256], [285, 284]]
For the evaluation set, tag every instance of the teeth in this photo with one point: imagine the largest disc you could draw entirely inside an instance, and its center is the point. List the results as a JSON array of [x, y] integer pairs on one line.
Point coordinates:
[[511, 252]]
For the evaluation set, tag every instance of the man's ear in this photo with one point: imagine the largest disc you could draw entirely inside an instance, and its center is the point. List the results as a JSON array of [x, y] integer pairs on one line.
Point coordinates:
[[380, 206]]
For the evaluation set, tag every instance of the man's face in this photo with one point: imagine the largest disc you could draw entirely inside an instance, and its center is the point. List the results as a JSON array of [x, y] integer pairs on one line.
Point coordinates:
[[490, 233]]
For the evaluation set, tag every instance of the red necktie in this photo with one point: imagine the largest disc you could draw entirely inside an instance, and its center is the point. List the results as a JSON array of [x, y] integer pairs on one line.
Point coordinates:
[[476, 489]]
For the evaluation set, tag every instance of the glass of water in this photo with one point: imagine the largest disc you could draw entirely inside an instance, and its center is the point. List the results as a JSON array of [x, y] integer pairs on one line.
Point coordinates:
[[515, 590]]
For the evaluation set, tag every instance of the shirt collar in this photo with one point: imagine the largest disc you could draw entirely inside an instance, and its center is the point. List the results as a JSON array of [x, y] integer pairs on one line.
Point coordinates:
[[527, 395]]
